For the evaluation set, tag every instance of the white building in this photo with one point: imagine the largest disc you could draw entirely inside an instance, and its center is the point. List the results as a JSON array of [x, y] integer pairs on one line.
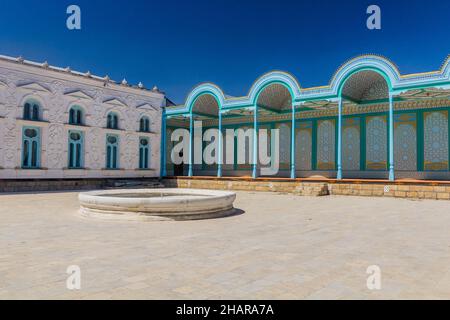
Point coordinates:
[[58, 124]]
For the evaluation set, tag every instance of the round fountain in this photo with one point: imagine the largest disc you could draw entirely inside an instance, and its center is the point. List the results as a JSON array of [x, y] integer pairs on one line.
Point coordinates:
[[156, 204]]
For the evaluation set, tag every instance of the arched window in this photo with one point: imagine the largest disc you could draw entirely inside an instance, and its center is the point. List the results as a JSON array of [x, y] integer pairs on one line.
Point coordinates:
[[144, 153], [76, 115], [75, 149], [112, 151], [144, 124], [30, 148], [112, 121], [31, 110]]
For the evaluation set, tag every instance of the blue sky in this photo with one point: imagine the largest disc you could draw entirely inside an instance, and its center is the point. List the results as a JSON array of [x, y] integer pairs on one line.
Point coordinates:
[[178, 44]]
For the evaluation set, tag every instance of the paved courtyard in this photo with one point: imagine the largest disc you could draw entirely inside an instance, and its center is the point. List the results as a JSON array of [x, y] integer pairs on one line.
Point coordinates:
[[281, 247]]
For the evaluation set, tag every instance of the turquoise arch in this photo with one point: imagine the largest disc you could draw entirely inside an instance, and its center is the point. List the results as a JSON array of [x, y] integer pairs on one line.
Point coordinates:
[[396, 83], [275, 77], [203, 89]]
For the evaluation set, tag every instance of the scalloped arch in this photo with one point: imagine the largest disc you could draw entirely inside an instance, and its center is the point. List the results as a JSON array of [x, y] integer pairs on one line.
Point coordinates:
[[280, 77], [205, 88], [362, 63], [446, 68]]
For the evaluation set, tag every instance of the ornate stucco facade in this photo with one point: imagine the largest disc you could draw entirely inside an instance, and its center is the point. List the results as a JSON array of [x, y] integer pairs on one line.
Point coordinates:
[[41, 137]]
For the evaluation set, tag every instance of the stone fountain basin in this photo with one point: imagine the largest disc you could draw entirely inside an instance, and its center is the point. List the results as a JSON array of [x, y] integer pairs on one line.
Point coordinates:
[[156, 204]]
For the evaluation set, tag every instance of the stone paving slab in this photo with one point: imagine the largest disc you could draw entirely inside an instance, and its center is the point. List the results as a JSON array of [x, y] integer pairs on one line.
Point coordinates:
[[282, 247]]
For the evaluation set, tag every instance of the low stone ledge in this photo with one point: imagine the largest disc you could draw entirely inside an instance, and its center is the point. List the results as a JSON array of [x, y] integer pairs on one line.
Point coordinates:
[[313, 188], [297, 188]]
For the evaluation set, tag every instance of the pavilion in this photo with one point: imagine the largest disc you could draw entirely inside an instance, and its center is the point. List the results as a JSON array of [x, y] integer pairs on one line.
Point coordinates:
[[369, 122]]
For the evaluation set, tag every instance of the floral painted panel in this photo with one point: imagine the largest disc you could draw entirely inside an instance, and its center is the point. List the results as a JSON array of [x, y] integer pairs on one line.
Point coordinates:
[[351, 144], [285, 145], [436, 140], [303, 146], [405, 142], [326, 145], [376, 143]]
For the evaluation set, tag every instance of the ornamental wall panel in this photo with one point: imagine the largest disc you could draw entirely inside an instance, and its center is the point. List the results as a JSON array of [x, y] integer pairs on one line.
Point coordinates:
[[228, 149], [326, 153], [405, 142], [351, 144], [436, 141], [267, 150], [246, 148], [303, 146], [169, 147], [284, 145], [376, 143]]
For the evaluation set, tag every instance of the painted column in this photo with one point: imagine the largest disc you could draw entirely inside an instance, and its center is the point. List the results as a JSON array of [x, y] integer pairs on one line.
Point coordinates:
[[219, 166], [391, 137], [191, 144], [339, 153], [255, 142], [163, 151], [293, 143]]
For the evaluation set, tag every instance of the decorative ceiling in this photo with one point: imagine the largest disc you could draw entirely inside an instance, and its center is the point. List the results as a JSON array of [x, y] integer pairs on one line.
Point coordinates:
[[275, 97], [366, 86], [206, 104]]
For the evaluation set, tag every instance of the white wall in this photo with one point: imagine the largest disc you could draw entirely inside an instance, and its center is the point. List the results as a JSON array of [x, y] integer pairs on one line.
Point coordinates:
[[54, 90]]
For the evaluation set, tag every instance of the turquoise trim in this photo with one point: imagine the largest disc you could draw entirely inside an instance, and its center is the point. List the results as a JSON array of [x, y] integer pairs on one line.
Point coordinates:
[[333, 90], [293, 121], [255, 143], [339, 141], [220, 156], [75, 152], [163, 164], [112, 120], [31, 147], [191, 145], [112, 152], [420, 140], [76, 115], [144, 153], [32, 110], [391, 139], [144, 124]]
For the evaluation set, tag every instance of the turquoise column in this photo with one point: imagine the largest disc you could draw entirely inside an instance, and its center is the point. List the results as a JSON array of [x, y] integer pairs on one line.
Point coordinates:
[[391, 137], [191, 144], [293, 143], [339, 154], [219, 166], [163, 172], [255, 142]]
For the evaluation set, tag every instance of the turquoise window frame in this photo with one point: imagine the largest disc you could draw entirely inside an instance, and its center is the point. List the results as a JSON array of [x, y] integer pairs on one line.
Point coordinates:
[[112, 152], [76, 115], [29, 161], [144, 124], [112, 121], [31, 110], [75, 155], [144, 153]]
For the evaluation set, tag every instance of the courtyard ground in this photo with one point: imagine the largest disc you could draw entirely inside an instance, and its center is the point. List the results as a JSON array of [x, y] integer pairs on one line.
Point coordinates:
[[281, 247]]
